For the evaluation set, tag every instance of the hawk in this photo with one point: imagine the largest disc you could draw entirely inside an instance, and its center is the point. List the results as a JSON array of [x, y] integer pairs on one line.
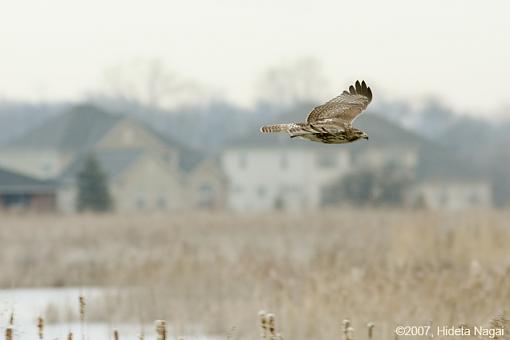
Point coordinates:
[[331, 123]]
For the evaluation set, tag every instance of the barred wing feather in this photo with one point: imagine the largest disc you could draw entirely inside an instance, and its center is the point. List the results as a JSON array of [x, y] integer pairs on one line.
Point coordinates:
[[344, 108]]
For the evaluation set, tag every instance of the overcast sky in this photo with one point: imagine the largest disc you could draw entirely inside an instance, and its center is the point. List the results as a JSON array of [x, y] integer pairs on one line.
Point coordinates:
[[458, 51]]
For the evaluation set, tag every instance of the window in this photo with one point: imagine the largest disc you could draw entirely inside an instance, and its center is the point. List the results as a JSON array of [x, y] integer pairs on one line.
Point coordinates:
[[443, 197], [167, 158], [261, 191], [474, 199], [15, 200], [161, 202], [140, 203]]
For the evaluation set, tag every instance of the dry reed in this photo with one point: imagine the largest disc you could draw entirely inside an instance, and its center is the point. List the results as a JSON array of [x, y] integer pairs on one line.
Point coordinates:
[[40, 327], [347, 329], [161, 329], [82, 310], [8, 333], [389, 267], [370, 327], [263, 325]]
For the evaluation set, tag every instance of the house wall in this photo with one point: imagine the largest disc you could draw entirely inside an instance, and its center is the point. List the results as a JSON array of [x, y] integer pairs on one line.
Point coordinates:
[[377, 158], [149, 185], [206, 187], [130, 135], [291, 179], [44, 202], [67, 195]]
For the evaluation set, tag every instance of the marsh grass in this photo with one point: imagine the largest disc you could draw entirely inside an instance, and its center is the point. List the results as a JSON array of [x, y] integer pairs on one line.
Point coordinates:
[[204, 273]]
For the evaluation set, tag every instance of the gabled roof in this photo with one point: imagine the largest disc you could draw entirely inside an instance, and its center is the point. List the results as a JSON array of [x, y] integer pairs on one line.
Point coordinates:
[[112, 162], [78, 129], [189, 157], [14, 182]]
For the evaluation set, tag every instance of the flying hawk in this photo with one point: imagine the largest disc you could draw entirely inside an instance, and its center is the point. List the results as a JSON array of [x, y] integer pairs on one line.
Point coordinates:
[[331, 122]]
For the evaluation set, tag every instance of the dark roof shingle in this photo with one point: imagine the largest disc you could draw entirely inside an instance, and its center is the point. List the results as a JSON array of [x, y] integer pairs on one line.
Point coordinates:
[[14, 182], [74, 131]]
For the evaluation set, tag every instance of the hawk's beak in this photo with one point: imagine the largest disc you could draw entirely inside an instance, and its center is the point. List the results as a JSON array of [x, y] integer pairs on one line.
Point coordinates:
[[365, 137]]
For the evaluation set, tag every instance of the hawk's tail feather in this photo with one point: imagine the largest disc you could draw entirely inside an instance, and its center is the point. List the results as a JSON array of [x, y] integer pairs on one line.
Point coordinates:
[[276, 128]]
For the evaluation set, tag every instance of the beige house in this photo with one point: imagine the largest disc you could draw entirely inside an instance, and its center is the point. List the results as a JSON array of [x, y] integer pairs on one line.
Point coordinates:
[[138, 181], [207, 185], [146, 171]]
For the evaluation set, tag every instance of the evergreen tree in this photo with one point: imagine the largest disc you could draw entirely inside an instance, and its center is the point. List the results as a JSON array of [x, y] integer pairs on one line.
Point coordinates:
[[93, 193]]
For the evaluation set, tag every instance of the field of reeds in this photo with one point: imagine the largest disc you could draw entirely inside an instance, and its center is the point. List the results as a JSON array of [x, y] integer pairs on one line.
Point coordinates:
[[207, 273]]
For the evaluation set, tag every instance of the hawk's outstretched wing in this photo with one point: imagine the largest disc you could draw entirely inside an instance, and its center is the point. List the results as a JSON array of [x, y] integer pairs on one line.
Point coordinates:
[[344, 108]]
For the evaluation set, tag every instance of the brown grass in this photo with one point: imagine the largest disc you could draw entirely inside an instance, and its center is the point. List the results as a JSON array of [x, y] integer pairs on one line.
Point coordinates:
[[209, 272]]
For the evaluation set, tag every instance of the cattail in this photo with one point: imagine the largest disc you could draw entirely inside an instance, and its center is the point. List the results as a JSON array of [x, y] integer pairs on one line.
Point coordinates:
[[70, 335], [370, 326], [82, 308], [271, 326], [40, 327], [348, 330], [230, 333], [161, 329], [8, 333], [115, 335], [263, 324], [83, 304]]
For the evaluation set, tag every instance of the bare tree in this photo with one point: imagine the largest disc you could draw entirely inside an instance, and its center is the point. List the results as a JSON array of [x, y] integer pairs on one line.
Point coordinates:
[[298, 82], [148, 83]]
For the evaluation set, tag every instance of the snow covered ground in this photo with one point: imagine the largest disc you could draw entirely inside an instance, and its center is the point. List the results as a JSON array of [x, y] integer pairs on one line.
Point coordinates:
[[29, 304]]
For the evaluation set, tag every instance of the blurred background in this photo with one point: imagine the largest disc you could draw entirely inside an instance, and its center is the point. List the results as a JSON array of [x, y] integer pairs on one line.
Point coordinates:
[[120, 114]]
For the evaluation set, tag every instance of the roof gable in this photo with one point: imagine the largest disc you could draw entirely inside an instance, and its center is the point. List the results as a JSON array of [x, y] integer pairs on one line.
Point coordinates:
[[78, 129], [112, 162]]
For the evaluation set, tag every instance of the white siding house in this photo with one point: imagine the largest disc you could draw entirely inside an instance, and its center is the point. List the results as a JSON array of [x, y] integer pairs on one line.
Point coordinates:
[[286, 178]]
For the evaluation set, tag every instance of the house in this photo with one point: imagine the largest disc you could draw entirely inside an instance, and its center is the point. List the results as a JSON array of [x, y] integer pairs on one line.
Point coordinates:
[[271, 172], [146, 170], [47, 150], [451, 195], [266, 172], [207, 185], [137, 180], [19, 191], [443, 181]]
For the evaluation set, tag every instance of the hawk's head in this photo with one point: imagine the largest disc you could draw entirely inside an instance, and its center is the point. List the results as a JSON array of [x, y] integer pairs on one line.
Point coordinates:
[[358, 134]]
